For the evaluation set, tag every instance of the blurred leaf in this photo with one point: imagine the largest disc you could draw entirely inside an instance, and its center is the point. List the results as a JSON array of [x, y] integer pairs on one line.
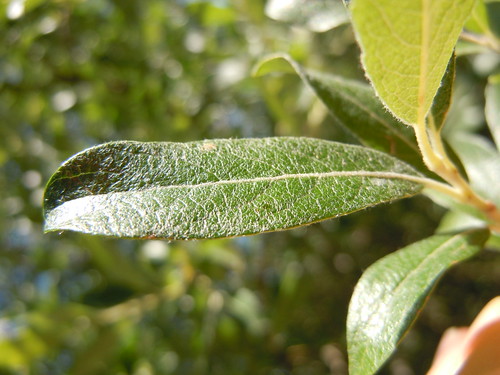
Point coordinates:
[[455, 221], [94, 359], [316, 15], [492, 108], [442, 101], [38, 334], [406, 47], [21, 345], [354, 106], [458, 221], [493, 13], [450, 203], [219, 188], [481, 162], [220, 254], [117, 268], [494, 242], [465, 47], [390, 293], [478, 21], [246, 307]]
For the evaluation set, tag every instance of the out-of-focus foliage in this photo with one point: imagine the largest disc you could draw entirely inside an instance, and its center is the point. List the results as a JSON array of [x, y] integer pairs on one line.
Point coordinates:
[[74, 73]]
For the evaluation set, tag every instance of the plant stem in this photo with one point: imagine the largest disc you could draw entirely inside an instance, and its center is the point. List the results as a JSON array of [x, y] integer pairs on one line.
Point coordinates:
[[436, 159]]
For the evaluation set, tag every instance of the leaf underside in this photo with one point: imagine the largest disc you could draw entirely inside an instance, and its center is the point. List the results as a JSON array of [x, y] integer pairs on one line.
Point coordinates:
[[219, 188], [393, 290], [406, 46]]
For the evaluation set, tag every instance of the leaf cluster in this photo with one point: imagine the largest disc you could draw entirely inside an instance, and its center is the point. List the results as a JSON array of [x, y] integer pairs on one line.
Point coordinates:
[[403, 133]]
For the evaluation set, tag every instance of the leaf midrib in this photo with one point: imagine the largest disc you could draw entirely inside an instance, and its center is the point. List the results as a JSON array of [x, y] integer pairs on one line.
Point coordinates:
[[370, 174]]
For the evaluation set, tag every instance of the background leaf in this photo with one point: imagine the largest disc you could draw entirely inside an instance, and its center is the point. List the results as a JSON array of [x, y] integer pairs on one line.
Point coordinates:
[[459, 221], [315, 15], [492, 108], [478, 21], [406, 46], [219, 188], [354, 106], [390, 293], [493, 11], [481, 161]]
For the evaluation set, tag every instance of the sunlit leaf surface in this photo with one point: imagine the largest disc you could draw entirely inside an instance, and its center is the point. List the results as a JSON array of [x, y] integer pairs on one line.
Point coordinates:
[[219, 188], [406, 46]]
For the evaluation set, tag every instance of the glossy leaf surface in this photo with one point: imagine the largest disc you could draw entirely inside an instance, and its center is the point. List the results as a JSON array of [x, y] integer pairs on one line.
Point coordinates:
[[390, 293], [406, 46], [219, 188]]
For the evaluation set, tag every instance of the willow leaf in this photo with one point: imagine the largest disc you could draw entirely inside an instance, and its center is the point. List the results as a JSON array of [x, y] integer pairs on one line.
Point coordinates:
[[406, 46], [219, 188], [390, 293]]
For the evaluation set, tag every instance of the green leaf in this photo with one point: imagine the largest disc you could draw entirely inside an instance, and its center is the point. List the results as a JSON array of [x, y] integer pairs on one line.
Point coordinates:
[[219, 188], [406, 46], [442, 101], [390, 293], [492, 108], [94, 359], [456, 220], [354, 106], [481, 161], [315, 15], [478, 21], [493, 9]]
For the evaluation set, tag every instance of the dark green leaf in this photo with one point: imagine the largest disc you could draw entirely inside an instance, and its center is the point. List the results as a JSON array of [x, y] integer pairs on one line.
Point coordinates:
[[493, 12], [391, 292], [442, 101], [219, 188], [354, 106], [93, 359]]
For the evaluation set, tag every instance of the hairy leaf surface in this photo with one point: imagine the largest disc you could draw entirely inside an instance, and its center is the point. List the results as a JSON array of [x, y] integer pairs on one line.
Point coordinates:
[[219, 188], [406, 46], [390, 293]]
